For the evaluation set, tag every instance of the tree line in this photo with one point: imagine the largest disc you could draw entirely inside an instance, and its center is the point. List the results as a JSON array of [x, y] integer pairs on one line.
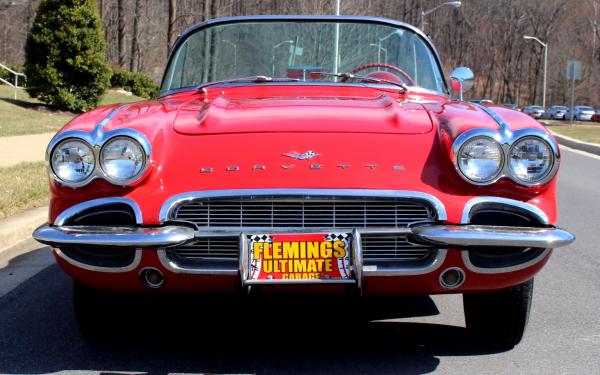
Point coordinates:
[[485, 35]]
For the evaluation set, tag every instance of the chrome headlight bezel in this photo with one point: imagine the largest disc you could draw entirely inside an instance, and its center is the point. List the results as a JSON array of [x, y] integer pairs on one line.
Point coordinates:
[[104, 168], [52, 166], [548, 173], [96, 139], [507, 140], [493, 177]]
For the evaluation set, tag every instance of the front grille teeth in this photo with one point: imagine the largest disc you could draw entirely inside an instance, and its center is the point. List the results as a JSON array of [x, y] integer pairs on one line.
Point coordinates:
[[300, 213], [303, 213]]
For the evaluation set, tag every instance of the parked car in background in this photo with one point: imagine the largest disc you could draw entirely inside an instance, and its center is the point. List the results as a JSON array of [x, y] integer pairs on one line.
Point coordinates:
[[534, 111], [511, 106], [361, 179], [555, 112], [482, 101], [596, 116], [580, 113]]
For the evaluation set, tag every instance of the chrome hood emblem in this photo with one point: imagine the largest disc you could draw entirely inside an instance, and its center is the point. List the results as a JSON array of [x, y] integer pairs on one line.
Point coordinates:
[[305, 156]]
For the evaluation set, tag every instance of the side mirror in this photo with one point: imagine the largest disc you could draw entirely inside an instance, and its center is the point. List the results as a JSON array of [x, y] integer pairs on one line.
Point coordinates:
[[462, 80]]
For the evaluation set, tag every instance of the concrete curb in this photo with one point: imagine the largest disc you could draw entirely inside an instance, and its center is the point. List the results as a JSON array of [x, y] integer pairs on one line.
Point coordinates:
[[18, 227], [592, 148]]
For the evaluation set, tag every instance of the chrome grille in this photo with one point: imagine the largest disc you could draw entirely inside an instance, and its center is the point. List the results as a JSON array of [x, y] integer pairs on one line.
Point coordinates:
[[390, 247], [375, 247], [304, 212], [226, 248]]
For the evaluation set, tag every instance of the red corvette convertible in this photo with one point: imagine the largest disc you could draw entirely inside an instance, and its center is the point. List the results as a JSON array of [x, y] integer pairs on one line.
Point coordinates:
[[320, 154]]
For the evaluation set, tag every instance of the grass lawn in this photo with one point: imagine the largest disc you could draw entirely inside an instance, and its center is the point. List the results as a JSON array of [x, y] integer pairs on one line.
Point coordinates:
[[28, 116], [23, 186], [586, 133], [563, 123]]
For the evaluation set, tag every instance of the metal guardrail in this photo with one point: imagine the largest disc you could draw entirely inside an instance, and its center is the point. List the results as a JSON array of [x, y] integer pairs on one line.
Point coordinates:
[[14, 85]]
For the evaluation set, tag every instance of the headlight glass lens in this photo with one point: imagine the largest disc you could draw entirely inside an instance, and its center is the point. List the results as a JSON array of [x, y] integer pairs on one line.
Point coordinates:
[[530, 160], [73, 161], [480, 159], [122, 159]]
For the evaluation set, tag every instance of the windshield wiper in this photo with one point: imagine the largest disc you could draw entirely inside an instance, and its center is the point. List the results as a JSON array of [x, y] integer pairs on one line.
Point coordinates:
[[347, 75], [254, 79]]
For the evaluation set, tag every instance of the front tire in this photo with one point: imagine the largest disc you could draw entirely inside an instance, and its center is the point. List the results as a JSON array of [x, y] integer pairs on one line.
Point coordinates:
[[499, 319]]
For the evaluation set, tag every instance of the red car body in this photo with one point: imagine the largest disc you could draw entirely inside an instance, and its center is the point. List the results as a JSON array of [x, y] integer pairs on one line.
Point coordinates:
[[367, 140], [414, 130]]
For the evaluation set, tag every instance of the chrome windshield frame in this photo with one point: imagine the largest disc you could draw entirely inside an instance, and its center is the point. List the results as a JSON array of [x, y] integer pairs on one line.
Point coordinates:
[[300, 18]]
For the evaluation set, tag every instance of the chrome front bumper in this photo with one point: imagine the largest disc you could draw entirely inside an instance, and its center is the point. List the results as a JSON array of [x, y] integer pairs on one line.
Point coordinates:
[[443, 236]]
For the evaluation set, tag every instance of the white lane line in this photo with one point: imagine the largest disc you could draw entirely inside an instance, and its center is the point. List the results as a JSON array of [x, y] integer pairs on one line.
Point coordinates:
[[583, 153]]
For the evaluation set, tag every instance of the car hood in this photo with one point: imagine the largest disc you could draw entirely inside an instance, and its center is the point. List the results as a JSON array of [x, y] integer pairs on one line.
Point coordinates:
[[373, 112]]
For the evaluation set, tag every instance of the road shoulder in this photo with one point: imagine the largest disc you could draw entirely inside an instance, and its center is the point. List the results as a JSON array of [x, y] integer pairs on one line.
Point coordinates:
[[576, 144], [17, 228]]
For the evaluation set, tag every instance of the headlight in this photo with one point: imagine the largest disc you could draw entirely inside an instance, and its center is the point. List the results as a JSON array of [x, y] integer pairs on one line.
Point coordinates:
[[531, 159], [72, 161], [122, 159], [480, 159]]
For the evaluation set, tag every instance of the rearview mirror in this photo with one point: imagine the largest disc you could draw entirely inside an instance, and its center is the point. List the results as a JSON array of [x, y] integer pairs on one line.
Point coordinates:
[[462, 80]]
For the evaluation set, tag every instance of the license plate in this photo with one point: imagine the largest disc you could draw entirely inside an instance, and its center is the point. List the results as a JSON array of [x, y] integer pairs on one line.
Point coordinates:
[[299, 257]]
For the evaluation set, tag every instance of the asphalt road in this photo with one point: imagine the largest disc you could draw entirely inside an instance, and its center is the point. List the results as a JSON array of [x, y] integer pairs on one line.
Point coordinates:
[[38, 332]]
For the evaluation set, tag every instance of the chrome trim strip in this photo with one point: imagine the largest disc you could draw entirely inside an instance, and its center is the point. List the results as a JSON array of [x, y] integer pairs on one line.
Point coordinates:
[[357, 259], [506, 138], [244, 259], [95, 139], [232, 232], [487, 235], [393, 270], [505, 131], [471, 267], [120, 236], [168, 208], [78, 208], [177, 268], [130, 267], [484, 200]]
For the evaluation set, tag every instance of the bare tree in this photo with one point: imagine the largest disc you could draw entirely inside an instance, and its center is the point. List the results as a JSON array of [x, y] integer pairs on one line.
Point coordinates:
[[135, 46], [484, 35], [171, 27], [121, 32]]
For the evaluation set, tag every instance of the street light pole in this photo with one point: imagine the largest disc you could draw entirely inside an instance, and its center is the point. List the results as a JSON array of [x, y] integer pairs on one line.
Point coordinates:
[[273, 54], [234, 52], [454, 4], [336, 45], [545, 45]]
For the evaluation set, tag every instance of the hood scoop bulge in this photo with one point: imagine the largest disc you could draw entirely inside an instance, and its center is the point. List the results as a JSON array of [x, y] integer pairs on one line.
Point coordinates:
[[378, 114]]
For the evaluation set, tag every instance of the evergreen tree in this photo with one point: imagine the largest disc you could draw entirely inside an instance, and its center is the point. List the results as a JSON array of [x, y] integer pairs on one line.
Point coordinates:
[[65, 60]]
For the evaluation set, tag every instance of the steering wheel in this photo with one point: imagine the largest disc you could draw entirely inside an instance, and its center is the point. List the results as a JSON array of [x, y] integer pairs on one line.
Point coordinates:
[[404, 75]]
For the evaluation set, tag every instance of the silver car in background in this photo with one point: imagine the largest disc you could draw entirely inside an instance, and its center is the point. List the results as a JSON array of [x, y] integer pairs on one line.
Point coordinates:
[[534, 111], [581, 113], [556, 112]]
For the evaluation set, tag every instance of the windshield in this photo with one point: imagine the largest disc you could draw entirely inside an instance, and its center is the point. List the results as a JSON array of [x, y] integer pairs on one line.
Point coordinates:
[[586, 108], [563, 108], [296, 48], [535, 107]]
